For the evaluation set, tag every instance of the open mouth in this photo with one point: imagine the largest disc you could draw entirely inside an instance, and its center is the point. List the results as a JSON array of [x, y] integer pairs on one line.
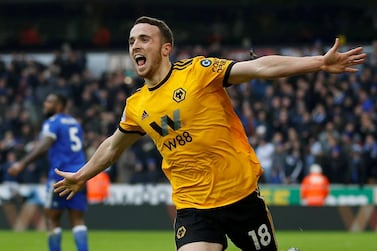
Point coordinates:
[[140, 60]]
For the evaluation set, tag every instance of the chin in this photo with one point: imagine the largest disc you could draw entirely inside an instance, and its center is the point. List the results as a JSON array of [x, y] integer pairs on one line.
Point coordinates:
[[142, 73]]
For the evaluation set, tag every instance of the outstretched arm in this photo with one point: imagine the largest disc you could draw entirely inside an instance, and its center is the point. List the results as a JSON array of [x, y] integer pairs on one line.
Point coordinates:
[[106, 155], [274, 66], [42, 148]]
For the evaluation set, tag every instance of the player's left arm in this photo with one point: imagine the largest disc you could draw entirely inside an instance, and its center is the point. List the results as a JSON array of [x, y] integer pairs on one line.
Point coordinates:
[[275, 66], [39, 150]]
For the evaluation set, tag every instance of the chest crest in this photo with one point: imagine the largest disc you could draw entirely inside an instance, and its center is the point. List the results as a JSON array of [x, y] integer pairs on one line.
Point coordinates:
[[179, 95]]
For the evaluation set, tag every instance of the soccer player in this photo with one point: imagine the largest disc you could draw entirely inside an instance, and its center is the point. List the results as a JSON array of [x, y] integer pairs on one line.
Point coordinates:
[[185, 109], [62, 138]]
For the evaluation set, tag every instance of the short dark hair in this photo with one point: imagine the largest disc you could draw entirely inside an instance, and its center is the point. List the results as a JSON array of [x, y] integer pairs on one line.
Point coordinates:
[[61, 99], [166, 32]]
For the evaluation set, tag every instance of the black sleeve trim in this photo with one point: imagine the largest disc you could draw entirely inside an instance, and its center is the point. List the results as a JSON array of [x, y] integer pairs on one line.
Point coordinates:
[[125, 131], [227, 73]]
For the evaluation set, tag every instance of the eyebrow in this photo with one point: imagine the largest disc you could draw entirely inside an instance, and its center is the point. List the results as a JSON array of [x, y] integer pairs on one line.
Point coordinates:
[[140, 36]]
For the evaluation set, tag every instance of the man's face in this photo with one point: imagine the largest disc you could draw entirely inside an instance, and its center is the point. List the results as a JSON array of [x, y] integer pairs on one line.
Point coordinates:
[[49, 106], [145, 49]]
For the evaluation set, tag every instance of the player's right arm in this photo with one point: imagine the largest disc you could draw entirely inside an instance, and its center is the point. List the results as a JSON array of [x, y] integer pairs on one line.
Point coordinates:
[[106, 155], [41, 148]]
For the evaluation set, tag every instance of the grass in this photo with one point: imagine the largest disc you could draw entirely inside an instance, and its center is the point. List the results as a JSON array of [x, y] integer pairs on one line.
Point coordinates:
[[163, 241]]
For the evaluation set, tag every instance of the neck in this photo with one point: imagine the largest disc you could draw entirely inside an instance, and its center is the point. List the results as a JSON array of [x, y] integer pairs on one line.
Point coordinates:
[[160, 74]]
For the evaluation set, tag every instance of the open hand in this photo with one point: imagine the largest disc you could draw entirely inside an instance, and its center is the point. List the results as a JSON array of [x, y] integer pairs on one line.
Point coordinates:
[[337, 62], [69, 185]]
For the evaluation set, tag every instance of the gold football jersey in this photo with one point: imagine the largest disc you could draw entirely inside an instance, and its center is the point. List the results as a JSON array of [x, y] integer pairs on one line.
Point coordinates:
[[189, 116]]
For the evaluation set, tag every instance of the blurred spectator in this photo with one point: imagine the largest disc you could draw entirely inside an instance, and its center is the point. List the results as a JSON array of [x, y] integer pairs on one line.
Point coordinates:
[[265, 152], [337, 162], [153, 171], [31, 212], [315, 187], [356, 167], [102, 37], [98, 188], [139, 175], [21, 210], [125, 166], [370, 157], [12, 196], [373, 55], [278, 161], [293, 166], [29, 36]]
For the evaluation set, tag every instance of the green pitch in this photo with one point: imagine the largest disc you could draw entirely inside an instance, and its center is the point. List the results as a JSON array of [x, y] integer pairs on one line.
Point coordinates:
[[163, 241]]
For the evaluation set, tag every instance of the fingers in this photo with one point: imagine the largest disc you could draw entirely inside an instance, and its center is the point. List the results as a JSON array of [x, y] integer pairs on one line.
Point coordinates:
[[63, 191], [355, 51], [336, 44], [70, 195], [350, 70], [356, 54], [67, 193], [355, 60], [57, 171], [355, 57], [359, 57], [59, 186]]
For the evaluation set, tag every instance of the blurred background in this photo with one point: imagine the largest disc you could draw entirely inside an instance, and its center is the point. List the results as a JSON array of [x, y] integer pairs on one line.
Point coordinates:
[[79, 48], [46, 24]]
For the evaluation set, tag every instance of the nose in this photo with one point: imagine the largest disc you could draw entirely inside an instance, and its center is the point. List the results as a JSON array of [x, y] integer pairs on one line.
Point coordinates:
[[135, 45]]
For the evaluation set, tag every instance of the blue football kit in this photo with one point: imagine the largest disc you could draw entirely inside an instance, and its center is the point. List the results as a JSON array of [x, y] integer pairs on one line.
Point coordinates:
[[66, 154]]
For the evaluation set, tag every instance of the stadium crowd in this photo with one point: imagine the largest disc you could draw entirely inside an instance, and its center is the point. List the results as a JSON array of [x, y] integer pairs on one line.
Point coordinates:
[[291, 122]]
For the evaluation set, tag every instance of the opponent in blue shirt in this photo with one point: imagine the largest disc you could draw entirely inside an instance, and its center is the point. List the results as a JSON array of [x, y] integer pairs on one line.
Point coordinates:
[[62, 138]]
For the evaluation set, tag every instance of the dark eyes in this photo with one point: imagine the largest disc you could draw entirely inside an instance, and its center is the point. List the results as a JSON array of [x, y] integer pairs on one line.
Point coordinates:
[[142, 39]]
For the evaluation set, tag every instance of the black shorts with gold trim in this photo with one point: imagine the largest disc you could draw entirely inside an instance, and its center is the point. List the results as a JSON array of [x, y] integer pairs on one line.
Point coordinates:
[[247, 223]]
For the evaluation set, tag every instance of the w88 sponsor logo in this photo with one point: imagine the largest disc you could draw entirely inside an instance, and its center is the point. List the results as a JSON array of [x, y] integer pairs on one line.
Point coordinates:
[[178, 140]]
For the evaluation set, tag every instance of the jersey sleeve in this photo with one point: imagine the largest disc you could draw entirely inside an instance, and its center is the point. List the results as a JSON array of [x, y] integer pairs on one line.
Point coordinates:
[[214, 71], [49, 129], [128, 122]]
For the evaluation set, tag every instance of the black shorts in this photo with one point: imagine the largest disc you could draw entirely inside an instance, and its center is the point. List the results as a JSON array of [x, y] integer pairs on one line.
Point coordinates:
[[247, 223]]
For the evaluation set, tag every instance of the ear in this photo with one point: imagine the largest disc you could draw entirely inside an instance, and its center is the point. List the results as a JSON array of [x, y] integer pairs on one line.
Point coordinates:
[[166, 49]]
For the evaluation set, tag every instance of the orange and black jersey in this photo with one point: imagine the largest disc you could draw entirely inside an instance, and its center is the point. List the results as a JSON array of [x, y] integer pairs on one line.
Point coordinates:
[[189, 116]]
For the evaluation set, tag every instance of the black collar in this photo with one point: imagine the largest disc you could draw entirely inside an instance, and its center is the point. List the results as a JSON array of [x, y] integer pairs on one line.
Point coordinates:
[[163, 81]]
